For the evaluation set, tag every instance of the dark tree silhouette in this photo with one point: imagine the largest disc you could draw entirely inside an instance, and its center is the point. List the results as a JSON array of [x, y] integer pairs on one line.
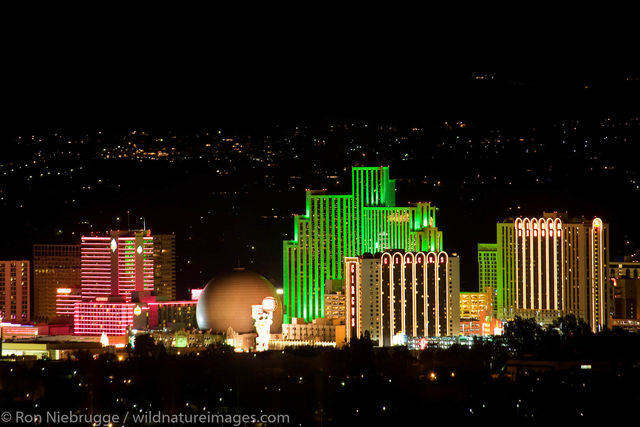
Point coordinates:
[[144, 346]]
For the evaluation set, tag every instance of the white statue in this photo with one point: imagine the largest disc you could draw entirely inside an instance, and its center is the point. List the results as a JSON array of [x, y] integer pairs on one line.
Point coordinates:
[[263, 316]]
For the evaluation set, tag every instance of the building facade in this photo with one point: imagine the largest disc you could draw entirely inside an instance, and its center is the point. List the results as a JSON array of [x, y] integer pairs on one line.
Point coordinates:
[[473, 303], [103, 316], [626, 269], [172, 315], [335, 306], [164, 265], [477, 314], [66, 298], [488, 269], [554, 265], [483, 326], [116, 269], [363, 299], [117, 264], [348, 225], [15, 283], [322, 330], [402, 293], [505, 264], [54, 267], [625, 282]]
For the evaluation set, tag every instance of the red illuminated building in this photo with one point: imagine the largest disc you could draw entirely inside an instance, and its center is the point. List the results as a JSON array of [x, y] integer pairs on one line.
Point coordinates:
[[65, 301], [98, 317], [114, 267], [117, 264]]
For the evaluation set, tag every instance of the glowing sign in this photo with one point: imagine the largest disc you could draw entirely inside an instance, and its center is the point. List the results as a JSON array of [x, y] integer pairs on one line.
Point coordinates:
[[114, 245], [181, 339], [399, 339], [64, 290], [397, 217], [597, 223], [137, 311], [422, 343], [195, 294], [139, 250], [353, 298]]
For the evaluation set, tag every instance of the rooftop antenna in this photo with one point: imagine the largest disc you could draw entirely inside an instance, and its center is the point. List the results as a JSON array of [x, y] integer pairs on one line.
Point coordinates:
[[144, 223], [128, 221]]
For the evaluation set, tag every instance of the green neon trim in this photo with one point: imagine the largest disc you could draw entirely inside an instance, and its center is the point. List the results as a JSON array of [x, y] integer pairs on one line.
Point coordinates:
[[347, 225]]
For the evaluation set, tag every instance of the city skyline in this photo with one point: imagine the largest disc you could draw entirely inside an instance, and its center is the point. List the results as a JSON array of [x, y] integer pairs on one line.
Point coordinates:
[[503, 192], [256, 227], [366, 220]]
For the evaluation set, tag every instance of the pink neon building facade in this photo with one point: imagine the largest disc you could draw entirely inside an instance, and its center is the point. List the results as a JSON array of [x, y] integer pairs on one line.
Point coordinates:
[[117, 264], [97, 317], [113, 266], [65, 300]]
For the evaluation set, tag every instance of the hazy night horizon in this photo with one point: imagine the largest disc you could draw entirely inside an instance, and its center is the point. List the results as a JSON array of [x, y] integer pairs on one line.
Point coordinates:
[[339, 233]]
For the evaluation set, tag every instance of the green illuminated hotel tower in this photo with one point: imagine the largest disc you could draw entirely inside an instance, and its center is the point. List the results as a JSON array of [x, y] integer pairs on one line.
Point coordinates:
[[336, 226]]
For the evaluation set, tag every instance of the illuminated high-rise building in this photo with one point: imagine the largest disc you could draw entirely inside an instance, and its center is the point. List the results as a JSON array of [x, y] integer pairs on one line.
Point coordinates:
[[362, 287], [14, 291], [505, 264], [625, 283], [117, 264], [397, 292], [552, 266], [118, 283], [488, 270], [54, 267], [336, 226], [164, 265]]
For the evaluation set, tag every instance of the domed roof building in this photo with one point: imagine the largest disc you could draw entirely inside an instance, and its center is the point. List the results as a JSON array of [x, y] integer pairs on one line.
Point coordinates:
[[226, 302]]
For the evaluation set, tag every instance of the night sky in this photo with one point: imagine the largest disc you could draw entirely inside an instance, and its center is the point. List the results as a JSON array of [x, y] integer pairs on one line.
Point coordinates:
[[485, 133]]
